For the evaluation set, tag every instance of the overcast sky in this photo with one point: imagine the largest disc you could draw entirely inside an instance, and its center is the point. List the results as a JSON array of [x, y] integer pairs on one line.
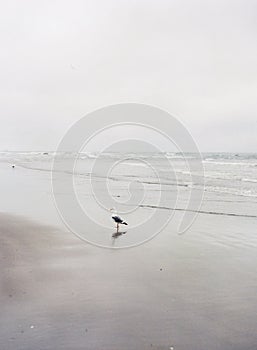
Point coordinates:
[[195, 59]]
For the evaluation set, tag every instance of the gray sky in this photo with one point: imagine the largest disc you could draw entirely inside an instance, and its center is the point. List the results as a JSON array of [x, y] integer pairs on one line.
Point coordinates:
[[195, 59]]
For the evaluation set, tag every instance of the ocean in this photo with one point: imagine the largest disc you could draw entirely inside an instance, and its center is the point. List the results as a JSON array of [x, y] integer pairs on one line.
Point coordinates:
[[136, 185], [232, 173]]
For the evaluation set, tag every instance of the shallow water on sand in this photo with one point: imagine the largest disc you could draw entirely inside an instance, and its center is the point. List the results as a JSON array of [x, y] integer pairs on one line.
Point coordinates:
[[195, 291]]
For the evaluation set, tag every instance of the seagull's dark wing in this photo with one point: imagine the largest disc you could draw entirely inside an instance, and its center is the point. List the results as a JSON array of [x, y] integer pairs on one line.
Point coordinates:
[[117, 219]]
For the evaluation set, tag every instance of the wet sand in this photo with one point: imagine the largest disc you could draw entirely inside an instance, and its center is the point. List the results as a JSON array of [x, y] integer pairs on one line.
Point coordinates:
[[192, 292]]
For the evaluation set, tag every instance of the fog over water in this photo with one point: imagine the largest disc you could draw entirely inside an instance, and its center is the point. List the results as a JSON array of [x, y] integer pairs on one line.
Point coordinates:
[[62, 59]]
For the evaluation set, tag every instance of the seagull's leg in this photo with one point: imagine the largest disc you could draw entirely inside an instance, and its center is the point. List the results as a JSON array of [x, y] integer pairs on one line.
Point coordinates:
[[117, 227]]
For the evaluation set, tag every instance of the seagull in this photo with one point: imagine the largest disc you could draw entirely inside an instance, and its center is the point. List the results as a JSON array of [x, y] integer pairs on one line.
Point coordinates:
[[117, 219]]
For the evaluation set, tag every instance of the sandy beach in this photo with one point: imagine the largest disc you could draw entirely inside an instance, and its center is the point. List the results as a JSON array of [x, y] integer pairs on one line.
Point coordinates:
[[187, 292]]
